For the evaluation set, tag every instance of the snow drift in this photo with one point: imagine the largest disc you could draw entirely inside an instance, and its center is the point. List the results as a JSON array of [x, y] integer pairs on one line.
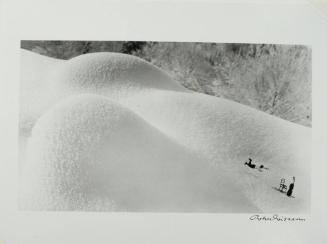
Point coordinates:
[[113, 132], [45, 81], [88, 152]]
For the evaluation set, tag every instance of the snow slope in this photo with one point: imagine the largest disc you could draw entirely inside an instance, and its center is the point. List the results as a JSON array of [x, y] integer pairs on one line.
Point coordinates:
[[35, 87], [227, 134], [113, 132], [45, 81], [108, 158]]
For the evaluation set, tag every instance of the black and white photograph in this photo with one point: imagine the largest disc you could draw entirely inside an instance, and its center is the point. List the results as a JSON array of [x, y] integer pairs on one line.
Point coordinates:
[[163, 121], [149, 126]]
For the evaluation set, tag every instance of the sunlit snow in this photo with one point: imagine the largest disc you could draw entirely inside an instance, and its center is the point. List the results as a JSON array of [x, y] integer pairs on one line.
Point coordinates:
[[111, 132]]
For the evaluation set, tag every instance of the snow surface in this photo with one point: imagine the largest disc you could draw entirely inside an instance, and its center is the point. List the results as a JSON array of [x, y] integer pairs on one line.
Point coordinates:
[[108, 131], [45, 81]]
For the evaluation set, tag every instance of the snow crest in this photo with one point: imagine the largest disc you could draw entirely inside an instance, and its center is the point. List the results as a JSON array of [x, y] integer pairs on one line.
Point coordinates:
[[46, 81], [108, 131]]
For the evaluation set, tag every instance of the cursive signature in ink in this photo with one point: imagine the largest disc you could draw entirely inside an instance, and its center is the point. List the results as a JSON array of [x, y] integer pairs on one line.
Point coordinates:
[[276, 217]]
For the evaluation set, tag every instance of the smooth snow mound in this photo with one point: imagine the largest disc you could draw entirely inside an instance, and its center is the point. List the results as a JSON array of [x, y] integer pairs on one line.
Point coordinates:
[[113, 132], [35, 87], [45, 81], [89, 153], [226, 134], [99, 71]]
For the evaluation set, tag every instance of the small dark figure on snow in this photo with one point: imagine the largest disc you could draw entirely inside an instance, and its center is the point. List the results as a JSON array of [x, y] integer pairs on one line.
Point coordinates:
[[290, 188], [250, 164], [253, 166]]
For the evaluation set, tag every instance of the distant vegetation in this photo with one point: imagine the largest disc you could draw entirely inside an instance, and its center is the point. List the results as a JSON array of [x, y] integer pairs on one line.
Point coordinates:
[[275, 79]]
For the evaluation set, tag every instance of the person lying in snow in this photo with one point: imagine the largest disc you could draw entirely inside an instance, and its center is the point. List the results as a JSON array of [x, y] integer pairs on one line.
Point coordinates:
[[253, 166], [250, 164]]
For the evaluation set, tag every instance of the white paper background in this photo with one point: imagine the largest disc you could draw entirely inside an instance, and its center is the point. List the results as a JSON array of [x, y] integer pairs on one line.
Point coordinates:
[[292, 22]]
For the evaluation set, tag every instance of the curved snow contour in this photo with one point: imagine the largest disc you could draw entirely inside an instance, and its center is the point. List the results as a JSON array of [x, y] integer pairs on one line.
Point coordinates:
[[227, 134], [222, 132], [45, 81], [35, 87], [89, 153], [113, 72]]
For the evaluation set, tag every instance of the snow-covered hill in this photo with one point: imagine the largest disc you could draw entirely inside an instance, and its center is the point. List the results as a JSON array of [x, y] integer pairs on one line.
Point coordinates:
[[108, 131]]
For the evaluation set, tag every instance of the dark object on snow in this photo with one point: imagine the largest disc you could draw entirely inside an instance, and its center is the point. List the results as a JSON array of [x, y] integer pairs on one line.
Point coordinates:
[[290, 188], [282, 185], [250, 164], [262, 167], [253, 166]]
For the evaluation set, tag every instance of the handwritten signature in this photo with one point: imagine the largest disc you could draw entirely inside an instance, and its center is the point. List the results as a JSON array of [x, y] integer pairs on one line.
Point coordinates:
[[276, 217]]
